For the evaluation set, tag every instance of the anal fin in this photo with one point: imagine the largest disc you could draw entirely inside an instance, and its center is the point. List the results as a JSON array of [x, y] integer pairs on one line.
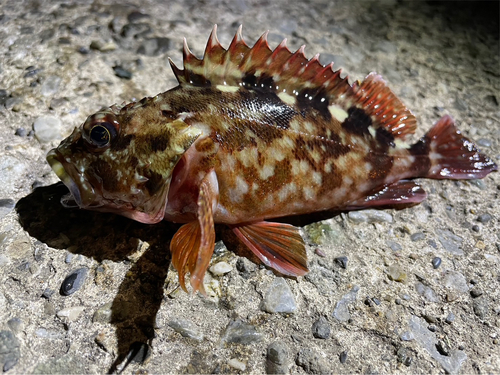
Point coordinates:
[[193, 244], [403, 193], [277, 245]]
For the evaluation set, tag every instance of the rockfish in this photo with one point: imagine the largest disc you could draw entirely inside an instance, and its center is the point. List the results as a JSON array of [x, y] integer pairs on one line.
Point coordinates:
[[251, 134]]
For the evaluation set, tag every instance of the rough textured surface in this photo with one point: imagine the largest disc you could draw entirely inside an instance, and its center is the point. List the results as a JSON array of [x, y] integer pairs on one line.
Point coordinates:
[[65, 60]]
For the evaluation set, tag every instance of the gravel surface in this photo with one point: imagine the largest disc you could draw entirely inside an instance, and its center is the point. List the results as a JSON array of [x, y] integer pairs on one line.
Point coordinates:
[[388, 291]]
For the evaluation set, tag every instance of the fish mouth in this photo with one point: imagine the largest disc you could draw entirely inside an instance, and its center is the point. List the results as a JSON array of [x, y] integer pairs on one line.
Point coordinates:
[[84, 196]]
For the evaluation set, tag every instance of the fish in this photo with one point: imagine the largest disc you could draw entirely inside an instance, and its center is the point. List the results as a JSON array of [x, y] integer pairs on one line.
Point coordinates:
[[251, 134]]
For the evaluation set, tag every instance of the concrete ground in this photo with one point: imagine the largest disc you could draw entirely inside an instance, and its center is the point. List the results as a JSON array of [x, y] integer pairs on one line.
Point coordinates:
[[412, 290]]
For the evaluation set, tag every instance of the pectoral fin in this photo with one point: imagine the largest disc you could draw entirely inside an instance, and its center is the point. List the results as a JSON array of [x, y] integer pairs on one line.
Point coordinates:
[[277, 245], [193, 244]]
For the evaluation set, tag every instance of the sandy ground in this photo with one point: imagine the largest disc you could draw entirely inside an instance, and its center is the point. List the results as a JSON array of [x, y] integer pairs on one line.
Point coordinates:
[[388, 310]]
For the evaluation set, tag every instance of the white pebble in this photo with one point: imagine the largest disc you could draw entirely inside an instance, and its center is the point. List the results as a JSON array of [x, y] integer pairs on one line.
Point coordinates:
[[221, 268], [236, 364], [70, 313]]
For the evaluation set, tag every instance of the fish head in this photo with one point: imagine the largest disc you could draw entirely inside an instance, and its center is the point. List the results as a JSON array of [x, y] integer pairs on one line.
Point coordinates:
[[121, 160]]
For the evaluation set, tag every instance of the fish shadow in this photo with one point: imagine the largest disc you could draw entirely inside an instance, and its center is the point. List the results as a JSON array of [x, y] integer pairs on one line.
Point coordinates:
[[103, 236]]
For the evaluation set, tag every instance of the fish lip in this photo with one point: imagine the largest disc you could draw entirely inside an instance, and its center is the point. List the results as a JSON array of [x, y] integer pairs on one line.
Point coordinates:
[[65, 171]]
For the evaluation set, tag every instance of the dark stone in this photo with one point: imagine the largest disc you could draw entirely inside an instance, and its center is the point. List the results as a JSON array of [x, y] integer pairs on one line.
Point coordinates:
[[136, 16], [404, 356], [476, 228], [484, 218], [343, 356], [417, 236], [47, 293], [121, 72], [83, 50], [321, 328], [450, 318], [342, 261], [480, 307], [476, 292], [73, 281], [436, 262], [46, 34], [64, 41], [277, 358], [21, 132], [239, 332], [135, 30]]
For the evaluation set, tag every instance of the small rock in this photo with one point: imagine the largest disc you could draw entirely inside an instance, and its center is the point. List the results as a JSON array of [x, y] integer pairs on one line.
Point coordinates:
[[122, 72], [21, 132], [73, 281], [70, 313], [103, 314], [455, 281], [342, 261], [15, 324], [186, 328], [277, 358], [476, 292], [427, 292], [450, 318], [221, 268], [394, 245], [450, 241], [436, 262], [370, 216], [279, 298], [343, 357], [484, 218], [396, 273], [341, 311], [480, 307], [50, 86], [47, 293], [311, 362], [239, 332], [417, 236], [321, 328], [483, 142], [237, 364], [47, 129]]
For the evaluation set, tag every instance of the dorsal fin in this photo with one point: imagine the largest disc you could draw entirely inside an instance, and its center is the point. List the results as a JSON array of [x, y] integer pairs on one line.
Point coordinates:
[[293, 76]]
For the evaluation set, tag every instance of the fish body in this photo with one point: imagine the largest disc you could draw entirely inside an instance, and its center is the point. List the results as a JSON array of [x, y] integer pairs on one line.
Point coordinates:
[[251, 134]]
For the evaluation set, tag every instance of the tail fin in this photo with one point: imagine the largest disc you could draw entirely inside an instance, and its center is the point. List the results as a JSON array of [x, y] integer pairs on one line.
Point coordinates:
[[450, 155]]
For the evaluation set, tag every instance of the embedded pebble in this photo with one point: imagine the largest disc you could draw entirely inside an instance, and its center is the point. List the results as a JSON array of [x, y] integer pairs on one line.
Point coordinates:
[[9, 350], [480, 307], [394, 245], [343, 357], [396, 273], [103, 314], [427, 292], [450, 318], [342, 261], [417, 236], [436, 262], [47, 129], [483, 142], [73, 281], [239, 332], [50, 86], [321, 328], [237, 364], [122, 72], [186, 328], [15, 324], [404, 357], [6, 205], [341, 311], [456, 282], [311, 361], [370, 216], [70, 313], [220, 268], [407, 336], [476, 292], [450, 241], [277, 358], [484, 218], [279, 298], [451, 363]]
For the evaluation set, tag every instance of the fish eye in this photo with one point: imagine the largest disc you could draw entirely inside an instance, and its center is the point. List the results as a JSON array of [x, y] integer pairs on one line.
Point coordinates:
[[101, 134]]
